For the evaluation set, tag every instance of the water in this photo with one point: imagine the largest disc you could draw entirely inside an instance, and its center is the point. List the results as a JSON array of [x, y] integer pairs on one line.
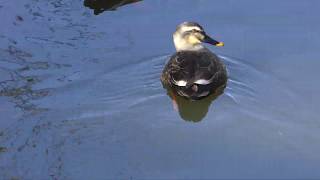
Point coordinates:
[[81, 96]]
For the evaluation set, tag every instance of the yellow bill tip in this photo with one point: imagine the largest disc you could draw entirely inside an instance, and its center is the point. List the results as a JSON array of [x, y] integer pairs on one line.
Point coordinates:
[[220, 44]]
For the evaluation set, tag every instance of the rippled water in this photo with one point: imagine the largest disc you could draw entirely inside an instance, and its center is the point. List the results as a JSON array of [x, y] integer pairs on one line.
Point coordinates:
[[80, 95]]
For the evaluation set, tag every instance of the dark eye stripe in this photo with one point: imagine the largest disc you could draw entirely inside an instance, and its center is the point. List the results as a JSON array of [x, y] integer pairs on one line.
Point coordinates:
[[186, 33], [195, 30]]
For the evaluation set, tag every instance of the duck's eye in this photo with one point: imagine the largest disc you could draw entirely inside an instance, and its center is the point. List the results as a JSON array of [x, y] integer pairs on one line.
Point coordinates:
[[197, 31]]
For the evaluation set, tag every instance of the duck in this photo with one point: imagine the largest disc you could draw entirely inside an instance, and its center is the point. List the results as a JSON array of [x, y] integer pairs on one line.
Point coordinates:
[[193, 71]]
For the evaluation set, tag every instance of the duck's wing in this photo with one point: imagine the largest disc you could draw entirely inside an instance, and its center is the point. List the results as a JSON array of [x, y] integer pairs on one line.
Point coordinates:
[[187, 68], [195, 73], [179, 69]]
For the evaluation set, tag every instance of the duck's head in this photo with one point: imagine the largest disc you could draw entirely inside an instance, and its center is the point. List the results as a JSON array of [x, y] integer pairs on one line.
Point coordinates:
[[189, 36]]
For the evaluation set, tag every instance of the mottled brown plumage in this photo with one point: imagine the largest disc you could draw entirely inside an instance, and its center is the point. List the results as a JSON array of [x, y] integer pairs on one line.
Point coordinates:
[[192, 66]]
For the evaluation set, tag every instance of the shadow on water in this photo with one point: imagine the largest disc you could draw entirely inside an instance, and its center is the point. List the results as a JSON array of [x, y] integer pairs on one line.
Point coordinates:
[[100, 6], [193, 111]]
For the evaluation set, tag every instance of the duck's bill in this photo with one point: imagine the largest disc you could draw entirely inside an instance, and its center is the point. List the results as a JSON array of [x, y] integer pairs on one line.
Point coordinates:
[[209, 40]]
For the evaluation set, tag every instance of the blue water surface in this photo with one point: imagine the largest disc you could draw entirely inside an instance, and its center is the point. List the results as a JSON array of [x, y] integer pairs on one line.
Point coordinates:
[[80, 95]]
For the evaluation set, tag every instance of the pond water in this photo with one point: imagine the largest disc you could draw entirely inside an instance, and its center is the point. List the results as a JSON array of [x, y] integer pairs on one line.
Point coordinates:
[[81, 98]]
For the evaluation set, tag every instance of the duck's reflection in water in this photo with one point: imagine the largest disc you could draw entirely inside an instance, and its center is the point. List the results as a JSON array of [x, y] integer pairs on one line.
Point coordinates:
[[190, 110], [100, 6]]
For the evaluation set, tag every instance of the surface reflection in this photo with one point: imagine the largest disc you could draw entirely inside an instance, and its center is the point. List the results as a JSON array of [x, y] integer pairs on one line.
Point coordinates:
[[189, 110], [100, 6]]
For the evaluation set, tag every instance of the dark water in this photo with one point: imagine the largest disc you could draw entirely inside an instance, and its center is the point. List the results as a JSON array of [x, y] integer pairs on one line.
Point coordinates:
[[80, 95]]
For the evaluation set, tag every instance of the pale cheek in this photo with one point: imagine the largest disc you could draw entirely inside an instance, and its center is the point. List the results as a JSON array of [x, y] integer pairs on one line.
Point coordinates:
[[201, 36], [193, 40]]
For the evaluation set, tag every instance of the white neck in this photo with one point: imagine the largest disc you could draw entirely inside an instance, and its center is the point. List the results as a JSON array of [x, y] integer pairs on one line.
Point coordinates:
[[182, 45]]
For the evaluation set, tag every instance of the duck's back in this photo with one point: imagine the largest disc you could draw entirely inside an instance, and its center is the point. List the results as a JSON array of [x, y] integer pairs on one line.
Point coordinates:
[[194, 74]]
